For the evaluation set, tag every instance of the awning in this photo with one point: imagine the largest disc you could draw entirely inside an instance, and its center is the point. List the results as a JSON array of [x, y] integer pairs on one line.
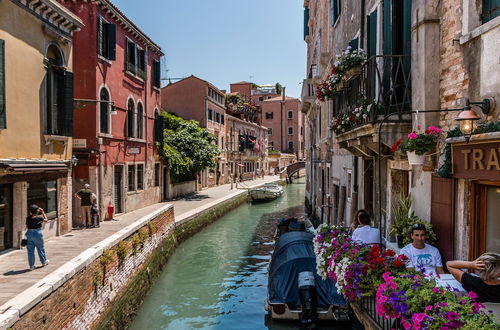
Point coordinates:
[[37, 167]]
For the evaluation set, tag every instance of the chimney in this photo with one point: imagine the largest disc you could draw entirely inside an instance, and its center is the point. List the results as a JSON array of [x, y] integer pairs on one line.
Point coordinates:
[[283, 93]]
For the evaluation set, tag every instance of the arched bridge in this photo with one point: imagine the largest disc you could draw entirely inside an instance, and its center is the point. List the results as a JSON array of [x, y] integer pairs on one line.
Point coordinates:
[[294, 168]]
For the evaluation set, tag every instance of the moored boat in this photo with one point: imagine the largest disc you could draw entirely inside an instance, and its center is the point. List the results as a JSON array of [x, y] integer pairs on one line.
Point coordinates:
[[269, 191]]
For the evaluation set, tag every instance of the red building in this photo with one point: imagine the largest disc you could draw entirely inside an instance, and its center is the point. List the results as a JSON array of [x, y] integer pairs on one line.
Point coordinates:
[[117, 93]]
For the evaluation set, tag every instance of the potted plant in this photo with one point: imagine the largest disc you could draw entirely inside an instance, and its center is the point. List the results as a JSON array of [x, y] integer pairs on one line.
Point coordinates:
[[403, 218], [350, 63], [416, 145]]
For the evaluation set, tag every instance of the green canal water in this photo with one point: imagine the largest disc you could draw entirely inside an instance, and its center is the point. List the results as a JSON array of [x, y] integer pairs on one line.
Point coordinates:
[[217, 279]]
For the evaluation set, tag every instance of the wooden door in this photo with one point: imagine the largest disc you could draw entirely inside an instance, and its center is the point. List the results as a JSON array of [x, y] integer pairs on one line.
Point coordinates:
[[442, 215]]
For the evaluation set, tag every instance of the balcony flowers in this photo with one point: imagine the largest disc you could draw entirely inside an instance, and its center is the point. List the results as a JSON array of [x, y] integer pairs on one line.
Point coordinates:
[[418, 144], [347, 121]]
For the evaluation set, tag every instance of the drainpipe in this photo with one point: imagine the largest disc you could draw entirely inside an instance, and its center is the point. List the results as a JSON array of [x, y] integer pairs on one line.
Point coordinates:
[[362, 25]]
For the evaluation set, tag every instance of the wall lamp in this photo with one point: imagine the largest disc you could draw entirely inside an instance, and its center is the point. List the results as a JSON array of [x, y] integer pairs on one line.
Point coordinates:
[[467, 117]]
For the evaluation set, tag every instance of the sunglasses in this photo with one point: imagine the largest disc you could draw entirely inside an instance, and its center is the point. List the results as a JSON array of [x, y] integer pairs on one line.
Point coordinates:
[[418, 226]]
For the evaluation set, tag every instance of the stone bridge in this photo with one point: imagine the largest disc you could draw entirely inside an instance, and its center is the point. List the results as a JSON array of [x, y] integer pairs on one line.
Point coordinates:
[[294, 168]]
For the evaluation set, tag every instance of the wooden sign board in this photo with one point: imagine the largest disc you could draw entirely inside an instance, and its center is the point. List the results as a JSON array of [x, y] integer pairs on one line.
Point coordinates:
[[476, 160]]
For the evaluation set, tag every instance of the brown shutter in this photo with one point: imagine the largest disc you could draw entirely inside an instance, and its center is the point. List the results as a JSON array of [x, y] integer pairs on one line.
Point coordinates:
[[111, 41], [442, 215]]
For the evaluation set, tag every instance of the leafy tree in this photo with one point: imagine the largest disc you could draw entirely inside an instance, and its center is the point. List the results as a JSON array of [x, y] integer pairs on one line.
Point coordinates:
[[278, 88], [187, 148]]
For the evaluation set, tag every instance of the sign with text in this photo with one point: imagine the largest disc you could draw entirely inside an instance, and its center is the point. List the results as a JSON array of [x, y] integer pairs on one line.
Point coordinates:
[[476, 161], [79, 143], [134, 150]]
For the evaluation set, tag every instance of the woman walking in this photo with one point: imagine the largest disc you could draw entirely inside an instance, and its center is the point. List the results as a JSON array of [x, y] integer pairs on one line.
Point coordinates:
[[34, 235]]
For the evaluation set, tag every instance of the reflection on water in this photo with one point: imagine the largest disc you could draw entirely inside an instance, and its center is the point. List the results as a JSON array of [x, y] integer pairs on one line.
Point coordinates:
[[218, 278]]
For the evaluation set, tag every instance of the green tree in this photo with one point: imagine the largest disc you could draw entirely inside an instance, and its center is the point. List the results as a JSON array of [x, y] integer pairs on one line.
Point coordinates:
[[187, 148], [278, 88]]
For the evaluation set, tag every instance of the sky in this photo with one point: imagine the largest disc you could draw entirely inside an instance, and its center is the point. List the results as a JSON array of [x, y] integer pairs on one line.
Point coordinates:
[[225, 41]]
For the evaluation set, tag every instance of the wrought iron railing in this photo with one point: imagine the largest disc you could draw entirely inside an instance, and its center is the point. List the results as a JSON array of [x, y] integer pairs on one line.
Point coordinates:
[[368, 305], [382, 86]]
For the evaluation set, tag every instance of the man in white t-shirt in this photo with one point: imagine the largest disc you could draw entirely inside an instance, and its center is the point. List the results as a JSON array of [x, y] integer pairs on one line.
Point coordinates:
[[421, 256], [365, 233]]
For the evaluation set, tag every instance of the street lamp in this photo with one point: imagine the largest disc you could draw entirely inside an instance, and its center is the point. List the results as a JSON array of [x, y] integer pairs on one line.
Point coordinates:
[[467, 117]]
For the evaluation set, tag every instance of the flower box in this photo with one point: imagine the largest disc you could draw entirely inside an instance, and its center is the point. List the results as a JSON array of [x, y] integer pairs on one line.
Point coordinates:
[[414, 159], [352, 73]]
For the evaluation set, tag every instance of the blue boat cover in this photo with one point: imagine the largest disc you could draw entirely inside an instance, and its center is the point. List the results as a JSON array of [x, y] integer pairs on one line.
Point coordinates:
[[294, 253]]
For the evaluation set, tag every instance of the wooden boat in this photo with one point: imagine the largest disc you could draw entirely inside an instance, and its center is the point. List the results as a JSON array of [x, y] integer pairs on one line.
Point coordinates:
[[269, 191]]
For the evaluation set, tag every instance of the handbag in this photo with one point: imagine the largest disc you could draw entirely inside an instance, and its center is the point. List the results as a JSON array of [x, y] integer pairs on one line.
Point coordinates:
[[24, 241]]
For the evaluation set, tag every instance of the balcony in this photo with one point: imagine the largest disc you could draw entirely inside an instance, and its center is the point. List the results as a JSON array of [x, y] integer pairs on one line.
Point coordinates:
[[382, 87], [308, 93]]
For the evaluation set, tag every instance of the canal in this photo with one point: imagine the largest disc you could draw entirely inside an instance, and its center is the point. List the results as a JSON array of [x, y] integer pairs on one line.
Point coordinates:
[[217, 279]]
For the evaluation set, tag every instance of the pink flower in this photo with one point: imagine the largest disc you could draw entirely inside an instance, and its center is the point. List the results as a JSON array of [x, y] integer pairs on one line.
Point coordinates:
[[472, 295], [434, 130], [407, 325], [413, 135], [428, 308], [394, 285]]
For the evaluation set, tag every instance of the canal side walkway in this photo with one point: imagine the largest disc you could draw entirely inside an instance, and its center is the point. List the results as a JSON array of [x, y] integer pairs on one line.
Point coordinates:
[[20, 289]]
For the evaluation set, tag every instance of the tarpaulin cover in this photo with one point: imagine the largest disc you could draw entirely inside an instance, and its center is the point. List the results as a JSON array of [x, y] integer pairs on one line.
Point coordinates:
[[294, 253]]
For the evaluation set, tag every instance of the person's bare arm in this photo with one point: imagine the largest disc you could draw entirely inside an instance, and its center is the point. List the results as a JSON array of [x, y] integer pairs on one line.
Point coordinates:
[[439, 270], [455, 267], [44, 216]]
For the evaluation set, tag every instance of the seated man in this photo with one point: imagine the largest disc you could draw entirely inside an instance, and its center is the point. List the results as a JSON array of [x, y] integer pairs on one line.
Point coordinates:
[[364, 232], [422, 256], [487, 284]]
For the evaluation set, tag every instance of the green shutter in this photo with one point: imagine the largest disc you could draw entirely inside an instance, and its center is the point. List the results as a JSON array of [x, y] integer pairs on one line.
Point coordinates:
[[156, 74], [306, 22], [332, 12], [372, 34], [387, 27], [354, 43], [65, 103], [491, 9], [111, 41], [3, 117]]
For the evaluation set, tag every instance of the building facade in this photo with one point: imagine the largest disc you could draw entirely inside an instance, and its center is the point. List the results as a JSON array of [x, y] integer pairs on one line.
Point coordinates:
[[36, 115], [422, 58], [117, 98]]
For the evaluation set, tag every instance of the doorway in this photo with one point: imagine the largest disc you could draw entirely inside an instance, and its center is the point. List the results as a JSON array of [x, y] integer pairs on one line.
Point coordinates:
[[6, 221], [118, 189]]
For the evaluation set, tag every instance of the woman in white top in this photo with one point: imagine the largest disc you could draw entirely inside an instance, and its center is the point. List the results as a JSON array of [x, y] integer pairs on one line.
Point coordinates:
[[364, 232]]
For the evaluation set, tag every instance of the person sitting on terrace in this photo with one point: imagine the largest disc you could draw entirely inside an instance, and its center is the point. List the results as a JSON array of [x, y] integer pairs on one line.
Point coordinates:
[[422, 256], [487, 284], [364, 232]]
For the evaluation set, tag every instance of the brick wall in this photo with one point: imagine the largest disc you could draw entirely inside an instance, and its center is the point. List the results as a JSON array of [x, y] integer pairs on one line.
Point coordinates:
[[82, 301], [454, 80]]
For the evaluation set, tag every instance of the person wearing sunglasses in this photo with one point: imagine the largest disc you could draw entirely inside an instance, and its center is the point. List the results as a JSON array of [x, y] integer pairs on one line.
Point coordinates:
[[421, 256]]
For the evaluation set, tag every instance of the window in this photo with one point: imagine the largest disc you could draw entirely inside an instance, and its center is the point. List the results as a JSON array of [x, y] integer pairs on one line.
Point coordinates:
[[156, 74], [131, 177], [157, 174], [290, 145], [222, 119], [270, 131], [269, 97], [3, 117], [140, 176], [130, 118], [44, 194], [290, 114], [217, 117], [106, 39], [302, 131], [271, 145], [158, 128], [491, 9], [290, 130], [269, 115], [140, 121], [210, 114], [104, 113], [141, 63], [58, 95], [261, 98], [335, 8], [306, 22], [130, 57]]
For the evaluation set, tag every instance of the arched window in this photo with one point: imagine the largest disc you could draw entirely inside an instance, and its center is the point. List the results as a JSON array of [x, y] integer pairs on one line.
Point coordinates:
[[130, 118], [58, 94], [140, 120], [104, 113]]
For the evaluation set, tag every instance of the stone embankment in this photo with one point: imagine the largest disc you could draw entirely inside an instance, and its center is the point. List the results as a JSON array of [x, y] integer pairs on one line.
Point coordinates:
[[103, 285]]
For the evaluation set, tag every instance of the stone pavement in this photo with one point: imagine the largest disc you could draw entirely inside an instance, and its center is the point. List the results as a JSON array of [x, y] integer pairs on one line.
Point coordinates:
[[16, 278]]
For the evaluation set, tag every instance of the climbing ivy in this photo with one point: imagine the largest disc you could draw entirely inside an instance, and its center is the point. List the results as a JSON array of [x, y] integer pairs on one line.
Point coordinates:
[[187, 148]]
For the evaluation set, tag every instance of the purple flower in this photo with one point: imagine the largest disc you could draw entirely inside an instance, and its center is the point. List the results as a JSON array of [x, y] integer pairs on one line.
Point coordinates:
[[452, 316]]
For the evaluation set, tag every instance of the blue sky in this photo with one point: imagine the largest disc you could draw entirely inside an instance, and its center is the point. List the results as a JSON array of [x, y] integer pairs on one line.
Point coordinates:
[[226, 41]]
